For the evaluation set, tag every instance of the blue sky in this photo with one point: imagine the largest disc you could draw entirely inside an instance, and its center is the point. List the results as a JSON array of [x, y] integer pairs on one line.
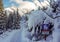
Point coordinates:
[[7, 3]]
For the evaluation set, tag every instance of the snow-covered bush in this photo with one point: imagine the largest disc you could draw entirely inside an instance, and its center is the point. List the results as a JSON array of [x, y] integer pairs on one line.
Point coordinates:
[[37, 17]]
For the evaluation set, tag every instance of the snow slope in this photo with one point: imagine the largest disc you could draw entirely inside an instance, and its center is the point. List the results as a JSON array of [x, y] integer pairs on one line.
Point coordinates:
[[6, 37], [18, 35]]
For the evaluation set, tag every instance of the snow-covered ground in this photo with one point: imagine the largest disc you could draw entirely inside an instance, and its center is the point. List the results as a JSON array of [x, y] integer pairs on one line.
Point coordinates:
[[6, 37], [20, 35]]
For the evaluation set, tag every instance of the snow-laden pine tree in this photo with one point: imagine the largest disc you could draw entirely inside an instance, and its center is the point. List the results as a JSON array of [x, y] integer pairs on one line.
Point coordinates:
[[10, 21], [3, 18], [14, 20]]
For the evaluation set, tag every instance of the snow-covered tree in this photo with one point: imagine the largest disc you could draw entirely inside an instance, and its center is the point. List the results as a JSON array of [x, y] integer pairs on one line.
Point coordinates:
[[10, 21], [3, 21], [51, 14], [16, 20]]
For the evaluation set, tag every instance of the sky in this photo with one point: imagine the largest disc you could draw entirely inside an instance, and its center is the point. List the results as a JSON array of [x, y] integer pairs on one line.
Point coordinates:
[[24, 6], [8, 3]]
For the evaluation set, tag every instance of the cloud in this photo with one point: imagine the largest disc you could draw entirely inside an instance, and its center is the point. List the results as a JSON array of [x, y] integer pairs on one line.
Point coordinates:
[[16, 1], [27, 3], [27, 6]]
